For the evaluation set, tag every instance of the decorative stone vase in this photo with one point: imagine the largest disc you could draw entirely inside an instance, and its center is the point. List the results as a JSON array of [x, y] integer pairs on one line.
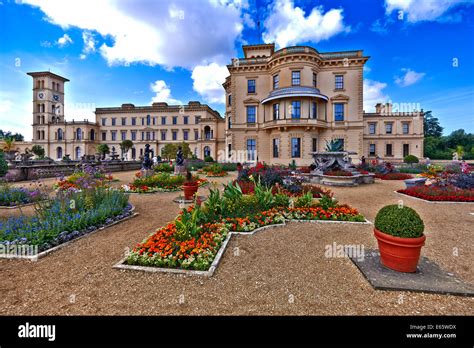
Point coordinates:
[[399, 254], [190, 189]]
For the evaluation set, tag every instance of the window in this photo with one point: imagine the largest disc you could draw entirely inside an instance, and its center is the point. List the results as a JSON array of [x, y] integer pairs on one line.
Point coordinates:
[[339, 112], [175, 119], [276, 111], [196, 134], [229, 150], [315, 79], [229, 100], [185, 119], [78, 153], [251, 114], [406, 150], [185, 135], [406, 128], [163, 135], [134, 121], [339, 81], [153, 135], [124, 121], [276, 81], [104, 136], [295, 109], [315, 144], [148, 137], [148, 120], [92, 136], [123, 135], [197, 119], [207, 151], [388, 128], [79, 134], [114, 135], [276, 147], [175, 135], [251, 149], [388, 150], [372, 127], [163, 120], [104, 121], [250, 86], [134, 135], [143, 136], [295, 147], [314, 110], [371, 149], [60, 134], [229, 122], [295, 78], [114, 120], [59, 152], [143, 123], [154, 121]]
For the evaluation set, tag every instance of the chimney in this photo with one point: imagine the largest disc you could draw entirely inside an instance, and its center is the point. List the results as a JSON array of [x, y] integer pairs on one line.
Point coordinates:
[[378, 108], [388, 108]]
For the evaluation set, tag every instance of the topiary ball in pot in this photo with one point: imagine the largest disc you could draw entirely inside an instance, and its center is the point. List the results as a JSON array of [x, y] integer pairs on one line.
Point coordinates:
[[399, 233]]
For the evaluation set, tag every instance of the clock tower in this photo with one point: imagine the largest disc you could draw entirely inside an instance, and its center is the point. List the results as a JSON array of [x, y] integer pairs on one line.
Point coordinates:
[[48, 103]]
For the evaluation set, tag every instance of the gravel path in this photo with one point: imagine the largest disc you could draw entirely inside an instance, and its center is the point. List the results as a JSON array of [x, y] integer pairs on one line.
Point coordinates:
[[281, 271]]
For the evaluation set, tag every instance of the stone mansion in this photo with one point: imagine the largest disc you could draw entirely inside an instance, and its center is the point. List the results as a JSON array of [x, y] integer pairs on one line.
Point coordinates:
[[280, 106]]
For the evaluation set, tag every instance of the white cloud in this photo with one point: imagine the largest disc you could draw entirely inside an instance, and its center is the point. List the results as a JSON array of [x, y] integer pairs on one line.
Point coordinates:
[[289, 25], [89, 44], [64, 40], [373, 94], [208, 80], [163, 93], [179, 34], [15, 114], [422, 10], [411, 77]]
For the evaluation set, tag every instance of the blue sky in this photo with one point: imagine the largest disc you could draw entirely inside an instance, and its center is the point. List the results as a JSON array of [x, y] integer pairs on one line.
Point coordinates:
[[117, 51]]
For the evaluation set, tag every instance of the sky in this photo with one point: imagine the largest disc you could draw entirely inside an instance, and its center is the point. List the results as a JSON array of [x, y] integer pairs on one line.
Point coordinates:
[[142, 51]]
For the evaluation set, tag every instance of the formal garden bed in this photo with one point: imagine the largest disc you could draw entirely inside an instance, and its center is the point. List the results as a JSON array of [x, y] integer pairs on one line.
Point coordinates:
[[14, 197], [197, 235], [214, 171], [159, 182]]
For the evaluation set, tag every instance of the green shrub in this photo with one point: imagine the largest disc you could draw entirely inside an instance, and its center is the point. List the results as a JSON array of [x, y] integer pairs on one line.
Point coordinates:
[[304, 201], [281, 200], [399, 221], [327, 202], [208, 159], [3, 164], [164, 167], [229, 167], [410, 159]]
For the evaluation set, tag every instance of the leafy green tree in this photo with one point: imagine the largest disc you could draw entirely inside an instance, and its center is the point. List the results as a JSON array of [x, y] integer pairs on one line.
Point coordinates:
[[431, 125], [169, 150], [38, 150], [103, 149], [126, 145], [15, 136], [3, 164]]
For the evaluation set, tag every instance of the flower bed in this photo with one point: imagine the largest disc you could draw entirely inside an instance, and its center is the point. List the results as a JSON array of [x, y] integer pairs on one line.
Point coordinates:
[[163, 249], [337, 173], [161, 182], [393, 176], [17, 196], [440, 194], [89, 177], [339, 213], [68, 216], [250, 223]]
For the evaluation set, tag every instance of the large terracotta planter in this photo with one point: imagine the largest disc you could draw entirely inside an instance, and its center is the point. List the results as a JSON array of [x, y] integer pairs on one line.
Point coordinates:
[[189, 190], [399, 254]]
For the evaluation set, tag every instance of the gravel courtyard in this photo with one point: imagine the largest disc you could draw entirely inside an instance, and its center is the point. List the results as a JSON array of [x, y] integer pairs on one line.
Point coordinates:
[[280, 271]]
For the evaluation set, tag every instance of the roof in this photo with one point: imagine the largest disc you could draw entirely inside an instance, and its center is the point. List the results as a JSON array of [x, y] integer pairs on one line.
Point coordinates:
[[47, 73], [296, 91]]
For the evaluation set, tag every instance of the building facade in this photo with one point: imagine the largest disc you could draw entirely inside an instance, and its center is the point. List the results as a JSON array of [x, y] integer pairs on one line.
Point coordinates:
[[280, 107], [283, 105]]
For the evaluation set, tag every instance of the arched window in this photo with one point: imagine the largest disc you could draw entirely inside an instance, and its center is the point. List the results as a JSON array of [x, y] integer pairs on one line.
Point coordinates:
[[38, 84], [53, 119], [38, 135], [207, 133], [59, 152], [42, 83], [148, 120], [79, 134], [78, 153], [207, 151], [60, 135], [92, 137], [54, 86], [42, 135], [134, 153], [42, 119]]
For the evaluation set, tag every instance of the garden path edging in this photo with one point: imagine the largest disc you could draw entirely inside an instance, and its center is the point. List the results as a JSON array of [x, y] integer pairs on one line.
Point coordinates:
[[427, 201]]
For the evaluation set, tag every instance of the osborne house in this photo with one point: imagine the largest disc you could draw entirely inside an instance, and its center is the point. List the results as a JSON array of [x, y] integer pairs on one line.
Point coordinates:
[[280, 107]]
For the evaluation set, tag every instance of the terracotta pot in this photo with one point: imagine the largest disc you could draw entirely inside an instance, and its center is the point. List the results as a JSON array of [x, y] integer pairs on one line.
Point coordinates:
[[399, 254], [190, 188]]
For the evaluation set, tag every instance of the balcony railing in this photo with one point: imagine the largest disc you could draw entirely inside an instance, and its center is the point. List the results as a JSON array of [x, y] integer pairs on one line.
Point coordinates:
[[295, 122]]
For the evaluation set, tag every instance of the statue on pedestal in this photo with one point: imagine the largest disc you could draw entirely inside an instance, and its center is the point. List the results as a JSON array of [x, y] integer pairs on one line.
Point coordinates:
[[147, 160], [179, 165]]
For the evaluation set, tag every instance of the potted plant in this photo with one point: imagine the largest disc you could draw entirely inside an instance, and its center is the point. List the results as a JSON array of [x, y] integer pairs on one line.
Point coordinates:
[[190, 186], [399, 233]]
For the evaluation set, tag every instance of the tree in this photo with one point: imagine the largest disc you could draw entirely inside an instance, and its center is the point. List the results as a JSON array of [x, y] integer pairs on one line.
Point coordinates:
[[431, 126], [38, 150], [126, 145], [16, 136], [169, 150], [9, 144], [3, 164], [103, 149]]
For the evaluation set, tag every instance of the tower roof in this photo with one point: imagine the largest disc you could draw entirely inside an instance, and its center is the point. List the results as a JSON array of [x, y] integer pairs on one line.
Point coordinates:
[[48, 74]]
